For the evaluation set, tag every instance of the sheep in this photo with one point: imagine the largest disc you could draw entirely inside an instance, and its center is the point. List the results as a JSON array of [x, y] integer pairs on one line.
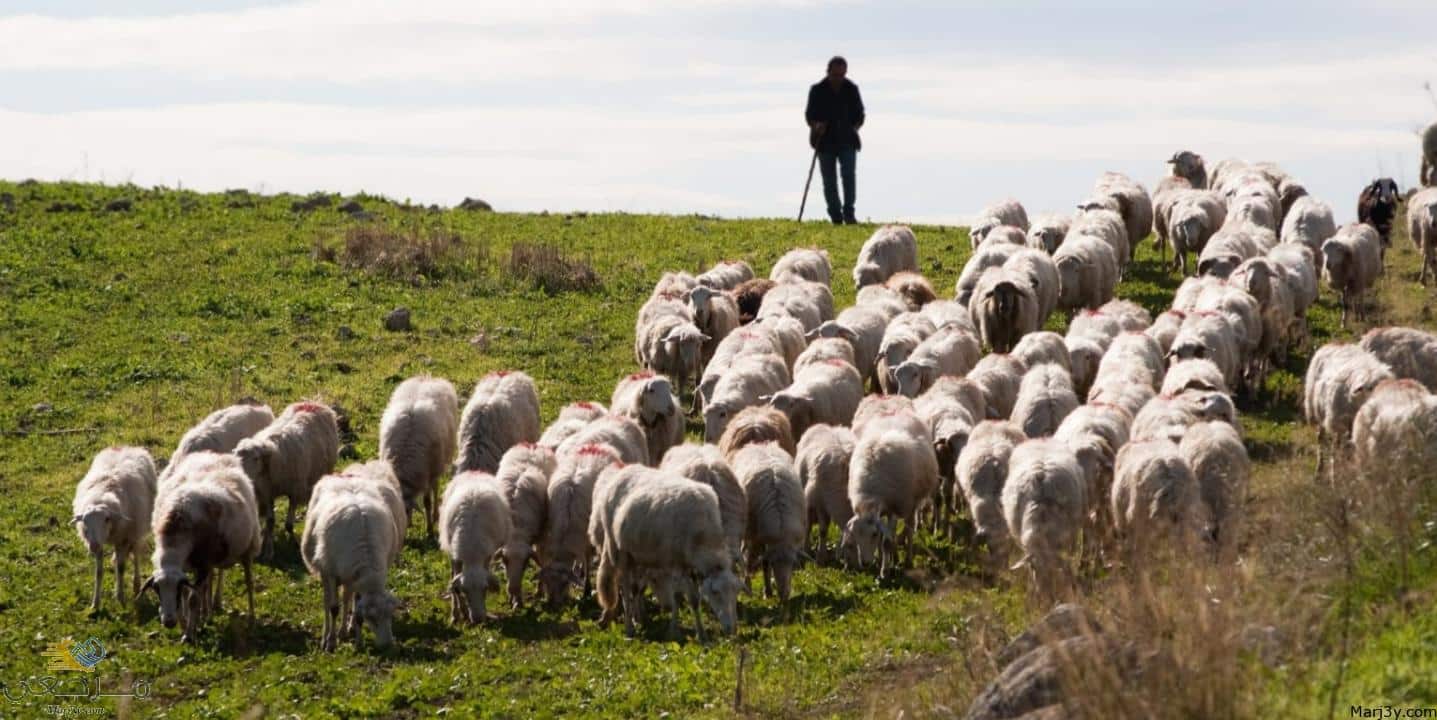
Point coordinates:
[[863, 328], [1003, 212], [826, 393], [1189, 166], [1193, 374], [220, 432], [824, 454], [206, 521], [1428, 173], [674, 284], [1377, 206], [715, 315], [1219, 463], [1255, 203], [1225, 250], [754, 425], [1087, 272], [1134, 348], [1339, 379], [564, 550], [1351, 262], [523, 477], [809, 264], [573, 418], [980, 471], [474, 526], [1209, 335], [944, 313], [112, 506], [1084, 355], [745, 341], [989, 256], [706, 464], [1193, 218], [808, 302], [822, 350], [378, 478], [777, 517], [1164, 196], [1130, 389], [1134, 205], [1168, 416], [1393, 434], [1048, 231], [1422, 228], [417, 436], [1154, 496], [745, 384], [662, 526], [1309, 223], [610, 491], [1266, 282], [1045, 397], [1408, 352], [1244, 314], [1165, 329], [621, 432], [915, 289], [881, 298], [672, 346], [1094, 433], [1041, 347], [502, 412], [889, 250], [287, 458], [649, 399], [949, 411], [725, 275], [1005, 308], [670, 304], [1005, 235], [1099, 218], [1224, 170], [999, 375], [950, 351], [350, 542], [1044, 504], [902, 336], [892, 474], [877, 407], [788, 333], [1042, 275], [749, 297]]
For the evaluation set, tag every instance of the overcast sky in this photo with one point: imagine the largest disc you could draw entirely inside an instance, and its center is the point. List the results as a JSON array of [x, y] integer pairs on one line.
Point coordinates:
[[696, 106]]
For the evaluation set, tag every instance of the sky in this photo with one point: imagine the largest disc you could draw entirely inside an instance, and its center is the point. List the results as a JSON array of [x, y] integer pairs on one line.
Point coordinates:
[[696, 107]]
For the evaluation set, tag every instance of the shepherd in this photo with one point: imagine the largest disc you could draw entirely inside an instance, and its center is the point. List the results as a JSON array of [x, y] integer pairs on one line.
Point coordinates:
[[835, 114]]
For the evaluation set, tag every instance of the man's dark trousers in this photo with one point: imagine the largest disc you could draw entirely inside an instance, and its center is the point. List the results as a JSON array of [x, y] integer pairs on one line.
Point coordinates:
[[828, 160]]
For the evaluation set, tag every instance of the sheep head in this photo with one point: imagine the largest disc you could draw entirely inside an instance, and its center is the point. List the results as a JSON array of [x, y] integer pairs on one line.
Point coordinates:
[[173, 587], [716, 417], [914, 376], [376, 609], [864, 536], [656, 401], [865, 274], [700, 301], [94, 525], [254, 455], [1335, 261], [797, 408], [473, 584], [719, 590]]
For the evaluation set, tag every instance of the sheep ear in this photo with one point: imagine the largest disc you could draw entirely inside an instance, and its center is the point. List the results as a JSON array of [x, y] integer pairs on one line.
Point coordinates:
[[76, 520]]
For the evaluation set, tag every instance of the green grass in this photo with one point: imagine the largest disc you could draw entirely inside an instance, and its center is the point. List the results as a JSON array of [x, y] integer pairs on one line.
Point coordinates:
[[126, 327]]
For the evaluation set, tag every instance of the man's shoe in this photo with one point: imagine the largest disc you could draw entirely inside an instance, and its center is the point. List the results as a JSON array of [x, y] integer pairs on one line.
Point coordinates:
[[850, 220]]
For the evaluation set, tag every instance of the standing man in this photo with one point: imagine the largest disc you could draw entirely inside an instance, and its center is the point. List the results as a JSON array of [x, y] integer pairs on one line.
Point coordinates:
[[835, 114]]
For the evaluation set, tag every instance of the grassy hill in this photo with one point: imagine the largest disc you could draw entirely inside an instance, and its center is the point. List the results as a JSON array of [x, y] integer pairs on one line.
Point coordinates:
[[130, 313]]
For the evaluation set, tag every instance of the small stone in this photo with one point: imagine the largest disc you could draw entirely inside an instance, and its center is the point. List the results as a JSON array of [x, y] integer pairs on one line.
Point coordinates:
[[41, 408], [398, 320], [345, 333]]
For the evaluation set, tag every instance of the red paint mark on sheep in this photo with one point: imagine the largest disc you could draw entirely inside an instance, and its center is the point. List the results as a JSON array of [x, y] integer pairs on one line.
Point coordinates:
[[308, 407]]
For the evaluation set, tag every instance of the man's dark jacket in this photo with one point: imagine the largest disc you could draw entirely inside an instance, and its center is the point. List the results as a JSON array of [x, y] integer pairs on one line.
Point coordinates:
[[842, 110]]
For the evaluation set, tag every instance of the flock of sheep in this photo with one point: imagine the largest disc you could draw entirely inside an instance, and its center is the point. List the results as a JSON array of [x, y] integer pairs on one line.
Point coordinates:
[[873, 418]]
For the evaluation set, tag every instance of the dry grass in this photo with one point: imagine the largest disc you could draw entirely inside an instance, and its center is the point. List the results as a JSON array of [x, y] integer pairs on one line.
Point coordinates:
[[403, 254], [549, 269]]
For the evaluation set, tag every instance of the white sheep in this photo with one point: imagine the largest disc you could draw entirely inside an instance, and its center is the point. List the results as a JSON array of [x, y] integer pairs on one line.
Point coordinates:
[[876, 407], [788, 333], [1003, 212], [650, 400], [1087, 272], [1409, 352], [112, 506], [668, 304], [756, 424], [671, 345], [893, 473], [980, 471], [673, 284], [1165, 329], [809, 264], [1266, 282], [1134, 348], [747, 340], [889, 250], [1394, 434], [1042, 274], [1301, 274], [915, 289], [1041, 347], [1165, 195], [1308, 223], [863, 327], [881, 298], [949, 410], [1154, 496], [1227, 249], [827, 393], [1129, 389], [220, 432], [524, 478], [1220, 465], [1134, 205], [822, 350], [474, 525], [417, 436], [287, 458], [1351, 262], [1044, 505], [824, 454], [565, 551], [573, 418], [1193, 218], [1099, 218], [726, 275], [1339, 379], [706, 464], [1045, 397], [1210, 335], [949, 351], [902, 336], [747, 381], [1085, 353], [999, 375], [715, 315], [621, 432], [1048, 231], [502, 412], [949, 312], [1005, 235], [1169, 416], [810, 303], [991, 255], [1005, 308], [777, 517], [1422, 228], [1094, 433], [1193, 374], [350, 542]]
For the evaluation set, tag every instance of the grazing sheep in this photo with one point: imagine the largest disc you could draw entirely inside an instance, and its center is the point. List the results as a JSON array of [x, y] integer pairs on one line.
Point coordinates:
[[950, 351], [502, 412], [1003, 212], [565, 549], [351, 540], [1165, 329], [1164, 196], [863, 328], [1210, 335], [902, 336], [1377, 206], [989, 256], [474, 526], [726, 275], [1394, 434], [1339, 379], [876, 407], [1193, 218], [610, 491], [379, 479], [1134, 205], [1309, 223], [1006, 235], [1225, 250], [809, 264], [944, 313], [777, 517], [672, 346], [950, 411], [1428, 172], [893, 473], [205, 522], [1422, 228], [826, 393], [620, 432], [1087, 272], [220, 432], [1168, 417], [1005, 308], [1099, 218], [1266, 282], [998, 375], [882, 299], [1193, 374], [112, 506], [706, 464], [1155, 496], [757, 424], [1085, 354], [1094, 433], [1048, 231], [1045, 397], [824, 454], [1044, 506], [749, 297], [1189, 166], [417, 436], [287, 458], [808, 302], [673, 284], [788, 333], [1219, 463], [1042, 276], [742, 342], [649, 399], [822, 350], [715, 315], [669, 304], [1351, 262], [1134, 348], [1041, 347], [573, 418], [980, 471], [524, 479], [915, 289], [747, 382], [1408, 352], [889, 250]]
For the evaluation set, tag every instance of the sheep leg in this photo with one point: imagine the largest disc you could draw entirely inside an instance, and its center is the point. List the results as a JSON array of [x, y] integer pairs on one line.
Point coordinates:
[[99, 578], [266, 550], [289, 518], [346, 609], [698, 613], [218, 603], [249, 585], [429, 513], [767, 578], [135, 561], [331, 614], [120, 577]]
